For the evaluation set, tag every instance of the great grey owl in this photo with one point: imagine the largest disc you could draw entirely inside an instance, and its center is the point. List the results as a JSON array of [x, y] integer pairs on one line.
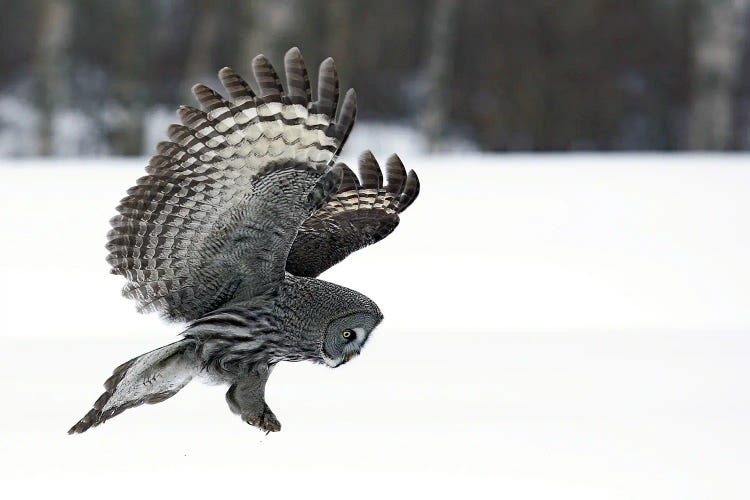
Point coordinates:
[[238, 214]]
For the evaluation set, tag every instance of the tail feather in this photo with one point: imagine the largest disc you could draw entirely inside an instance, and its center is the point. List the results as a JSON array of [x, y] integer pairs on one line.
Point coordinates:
[[149, 378]]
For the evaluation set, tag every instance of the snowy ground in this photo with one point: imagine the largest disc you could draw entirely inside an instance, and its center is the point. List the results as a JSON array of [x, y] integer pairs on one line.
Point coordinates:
[[556, 327]]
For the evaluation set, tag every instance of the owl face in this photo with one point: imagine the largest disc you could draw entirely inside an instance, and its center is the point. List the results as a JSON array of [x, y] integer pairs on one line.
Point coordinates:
[[346, 336]]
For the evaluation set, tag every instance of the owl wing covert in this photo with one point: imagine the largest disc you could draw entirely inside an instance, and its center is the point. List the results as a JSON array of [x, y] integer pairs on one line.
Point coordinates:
[[359, 215], [218, 211]]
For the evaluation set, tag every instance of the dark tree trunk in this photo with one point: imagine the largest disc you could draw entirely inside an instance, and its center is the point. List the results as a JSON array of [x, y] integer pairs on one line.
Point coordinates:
[[435, 113], [52, 68], [718, 31], [129, 88]]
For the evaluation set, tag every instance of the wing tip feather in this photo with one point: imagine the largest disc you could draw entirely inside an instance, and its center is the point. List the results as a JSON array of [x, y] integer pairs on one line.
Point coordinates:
[[411, 191]]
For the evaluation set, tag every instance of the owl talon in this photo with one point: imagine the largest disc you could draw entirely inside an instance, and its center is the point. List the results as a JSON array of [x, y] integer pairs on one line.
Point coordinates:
[[266, 421]]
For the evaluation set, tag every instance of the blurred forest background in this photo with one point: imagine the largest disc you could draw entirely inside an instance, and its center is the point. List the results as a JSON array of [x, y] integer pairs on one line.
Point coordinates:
[[85, 77]]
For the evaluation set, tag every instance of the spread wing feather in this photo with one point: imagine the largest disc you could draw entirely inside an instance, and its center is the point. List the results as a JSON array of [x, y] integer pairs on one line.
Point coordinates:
[[363, 212], [223, 199]]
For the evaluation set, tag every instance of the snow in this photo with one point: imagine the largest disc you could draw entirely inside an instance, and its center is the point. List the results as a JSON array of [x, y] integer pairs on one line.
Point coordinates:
[[570, 326]]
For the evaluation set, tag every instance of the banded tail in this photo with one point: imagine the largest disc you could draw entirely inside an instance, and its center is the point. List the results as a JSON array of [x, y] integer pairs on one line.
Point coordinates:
[[149, 378]]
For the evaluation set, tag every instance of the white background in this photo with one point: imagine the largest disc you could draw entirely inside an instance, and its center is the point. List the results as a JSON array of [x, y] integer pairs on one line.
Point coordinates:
[[556, 327]]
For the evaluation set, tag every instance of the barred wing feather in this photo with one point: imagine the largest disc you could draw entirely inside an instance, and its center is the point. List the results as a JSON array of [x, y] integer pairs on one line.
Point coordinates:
[[223, 199], [360, 214]]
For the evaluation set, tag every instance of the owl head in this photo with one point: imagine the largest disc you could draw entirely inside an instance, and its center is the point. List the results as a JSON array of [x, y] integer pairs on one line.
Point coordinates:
[[346, 336], [333, 320]]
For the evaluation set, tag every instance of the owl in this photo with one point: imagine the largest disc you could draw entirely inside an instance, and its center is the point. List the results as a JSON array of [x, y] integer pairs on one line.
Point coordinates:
[[237, 216]]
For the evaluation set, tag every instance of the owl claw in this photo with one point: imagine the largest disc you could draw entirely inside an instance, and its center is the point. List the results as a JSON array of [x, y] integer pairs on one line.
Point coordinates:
[[266, 421]]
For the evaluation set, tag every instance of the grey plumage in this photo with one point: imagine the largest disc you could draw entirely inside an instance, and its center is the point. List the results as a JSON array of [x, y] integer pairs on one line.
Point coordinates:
[[237, 215], [359, 215]]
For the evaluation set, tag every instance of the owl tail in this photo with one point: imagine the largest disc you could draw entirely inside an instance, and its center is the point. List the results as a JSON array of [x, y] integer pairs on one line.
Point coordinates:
[[150, 378]]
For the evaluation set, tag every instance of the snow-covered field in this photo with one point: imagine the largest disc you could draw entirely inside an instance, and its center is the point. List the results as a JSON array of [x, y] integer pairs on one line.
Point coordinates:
[[556, 327]]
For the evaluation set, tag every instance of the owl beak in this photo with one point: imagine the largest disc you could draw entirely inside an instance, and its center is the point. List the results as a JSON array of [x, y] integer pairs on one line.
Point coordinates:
[[350, 356]]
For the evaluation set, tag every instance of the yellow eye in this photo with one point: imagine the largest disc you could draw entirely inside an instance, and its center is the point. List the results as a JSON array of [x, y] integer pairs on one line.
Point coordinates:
[[348, 334]]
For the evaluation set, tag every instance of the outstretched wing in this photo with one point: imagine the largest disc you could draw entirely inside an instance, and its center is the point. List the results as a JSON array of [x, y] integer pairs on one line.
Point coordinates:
[[362, 213], [217, 213]]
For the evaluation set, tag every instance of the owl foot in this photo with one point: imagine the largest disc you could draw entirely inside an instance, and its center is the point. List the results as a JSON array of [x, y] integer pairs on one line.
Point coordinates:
[[266, 421]]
